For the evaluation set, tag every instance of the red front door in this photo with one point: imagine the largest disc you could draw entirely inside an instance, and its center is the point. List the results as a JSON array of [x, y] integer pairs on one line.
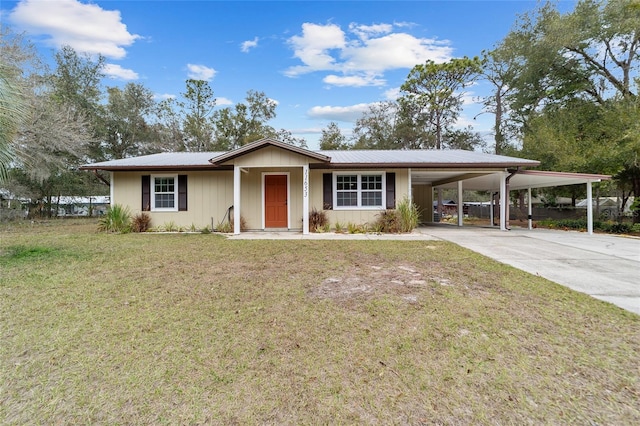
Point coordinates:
[[275, 201]]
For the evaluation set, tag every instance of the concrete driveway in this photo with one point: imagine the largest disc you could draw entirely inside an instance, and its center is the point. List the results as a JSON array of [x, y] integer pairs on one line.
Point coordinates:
[[606, 267]]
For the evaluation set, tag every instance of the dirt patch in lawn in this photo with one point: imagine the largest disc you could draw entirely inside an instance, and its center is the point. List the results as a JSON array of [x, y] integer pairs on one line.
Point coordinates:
[[369, 281]]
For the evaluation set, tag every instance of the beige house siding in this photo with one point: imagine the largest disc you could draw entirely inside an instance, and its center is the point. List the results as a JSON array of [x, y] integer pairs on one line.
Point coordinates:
[[209, 195], [252, 187], [423, 199], [358, 217], [270, 157]]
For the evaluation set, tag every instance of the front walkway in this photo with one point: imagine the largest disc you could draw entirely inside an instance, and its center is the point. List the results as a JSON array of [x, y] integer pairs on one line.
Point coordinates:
[[604, 266]]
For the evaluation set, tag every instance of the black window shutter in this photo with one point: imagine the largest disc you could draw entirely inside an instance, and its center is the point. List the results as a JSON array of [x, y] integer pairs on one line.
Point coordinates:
[[146, 193], [182, 193], [327, 191], [391, 190]]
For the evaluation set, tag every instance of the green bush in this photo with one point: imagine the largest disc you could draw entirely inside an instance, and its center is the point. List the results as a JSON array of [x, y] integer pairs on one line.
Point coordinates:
[[616, 228], [409, 215], [116, 219], [581, 224]]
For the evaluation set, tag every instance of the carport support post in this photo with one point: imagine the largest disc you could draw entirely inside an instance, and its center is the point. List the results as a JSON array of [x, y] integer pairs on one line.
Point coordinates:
[[589, 208], [504, 201], [305, 199], [491, 207], [236, 199], [530, 211], [460, 207]]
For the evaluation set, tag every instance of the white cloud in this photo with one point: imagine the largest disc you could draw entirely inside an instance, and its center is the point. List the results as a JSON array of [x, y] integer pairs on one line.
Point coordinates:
[[394, 51], [313, 47], [87, 28], [200, 72], [337, 113], [117, 72], [392, 94], [248, 45], [366, 31], [354, 80], [222, 101], [365, 56], [164, 96]]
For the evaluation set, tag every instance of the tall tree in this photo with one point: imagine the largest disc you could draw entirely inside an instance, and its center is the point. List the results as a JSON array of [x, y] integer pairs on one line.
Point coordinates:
[[128, 132], [438, 90], [585, 60], [499, 68], [332, 138], [76, 83], [198, 107], [375, 129], [245, 123], [16, 54]]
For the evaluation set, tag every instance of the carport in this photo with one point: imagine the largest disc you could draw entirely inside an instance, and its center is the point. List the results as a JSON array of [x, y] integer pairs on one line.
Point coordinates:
[[501, 182]]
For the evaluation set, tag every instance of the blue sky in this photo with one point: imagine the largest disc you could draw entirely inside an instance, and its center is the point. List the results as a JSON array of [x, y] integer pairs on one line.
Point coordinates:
[[321, 61]]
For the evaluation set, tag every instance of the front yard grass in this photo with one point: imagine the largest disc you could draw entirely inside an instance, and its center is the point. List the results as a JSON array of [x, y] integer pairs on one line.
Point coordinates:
[[196, 329]]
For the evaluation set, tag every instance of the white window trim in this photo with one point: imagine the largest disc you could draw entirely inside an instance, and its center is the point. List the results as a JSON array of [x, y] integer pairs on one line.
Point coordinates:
[[359, 206], [153, 194]]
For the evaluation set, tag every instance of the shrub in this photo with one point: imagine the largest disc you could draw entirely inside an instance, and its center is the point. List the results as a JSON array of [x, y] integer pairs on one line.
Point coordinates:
[[617, 228], [317, 220], [409, 215], [224, 227], [141, 222], [116, 219], [170, 227], [339, 227], [389, 221], [352, 228], [227, 227]]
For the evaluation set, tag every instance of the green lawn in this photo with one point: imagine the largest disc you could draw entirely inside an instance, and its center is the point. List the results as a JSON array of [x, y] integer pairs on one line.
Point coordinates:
[[196, 329]]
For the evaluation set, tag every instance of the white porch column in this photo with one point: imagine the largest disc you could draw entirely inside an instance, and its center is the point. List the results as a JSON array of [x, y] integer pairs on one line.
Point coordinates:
[[530, 209], [236, 199], [589, 208], [410, 190], [504, 201], [305, 199], [111, 187], [460, 204]]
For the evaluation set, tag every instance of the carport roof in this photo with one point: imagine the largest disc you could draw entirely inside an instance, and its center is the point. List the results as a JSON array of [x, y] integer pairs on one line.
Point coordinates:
[[523, 179]]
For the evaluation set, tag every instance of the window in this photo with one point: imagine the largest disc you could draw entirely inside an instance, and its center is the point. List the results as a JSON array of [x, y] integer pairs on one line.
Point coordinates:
[[366, 191], [164, 193]]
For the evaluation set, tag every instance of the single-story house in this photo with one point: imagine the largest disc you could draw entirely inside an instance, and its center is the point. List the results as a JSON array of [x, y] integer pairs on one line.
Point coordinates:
[[274, 186]]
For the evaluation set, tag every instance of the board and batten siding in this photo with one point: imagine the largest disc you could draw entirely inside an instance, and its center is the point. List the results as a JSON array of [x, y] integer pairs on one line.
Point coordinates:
[[270, 157], [252, 208], [209, 195]]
